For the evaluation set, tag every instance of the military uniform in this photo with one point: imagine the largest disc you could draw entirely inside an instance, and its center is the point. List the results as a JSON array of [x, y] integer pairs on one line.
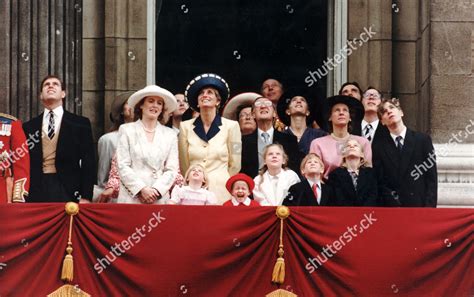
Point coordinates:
[[14, 161]]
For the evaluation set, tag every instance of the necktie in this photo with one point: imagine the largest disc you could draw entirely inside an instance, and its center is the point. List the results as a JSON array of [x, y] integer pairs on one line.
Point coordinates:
[[354, 178], [367, 133], [399, 143], [51, 125], [266, 137], [315, 191]]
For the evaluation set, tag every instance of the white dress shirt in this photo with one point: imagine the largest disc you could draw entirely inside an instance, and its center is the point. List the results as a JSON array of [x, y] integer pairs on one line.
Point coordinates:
[[402, 134], [318, 189], [58, 116], [374, 125]]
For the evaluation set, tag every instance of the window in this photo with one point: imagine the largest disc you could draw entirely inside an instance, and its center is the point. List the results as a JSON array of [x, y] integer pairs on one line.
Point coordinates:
[[243, 41]]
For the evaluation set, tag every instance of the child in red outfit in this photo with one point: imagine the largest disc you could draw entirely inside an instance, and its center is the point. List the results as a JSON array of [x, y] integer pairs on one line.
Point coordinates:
[[240, 186]]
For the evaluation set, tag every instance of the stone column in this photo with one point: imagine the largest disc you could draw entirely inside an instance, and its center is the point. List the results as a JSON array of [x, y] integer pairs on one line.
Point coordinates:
[[411, 37], [452, 95], [114, 58], [371, 63]]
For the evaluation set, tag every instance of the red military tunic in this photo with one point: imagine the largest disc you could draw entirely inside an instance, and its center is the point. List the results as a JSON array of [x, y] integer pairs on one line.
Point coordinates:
[[14, 160]]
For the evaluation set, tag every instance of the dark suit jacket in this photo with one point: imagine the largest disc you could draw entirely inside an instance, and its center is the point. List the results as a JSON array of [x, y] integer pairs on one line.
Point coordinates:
[[301, 194], [344, 191], [250, 152], [75, 158], [381, 133], [408, 178]]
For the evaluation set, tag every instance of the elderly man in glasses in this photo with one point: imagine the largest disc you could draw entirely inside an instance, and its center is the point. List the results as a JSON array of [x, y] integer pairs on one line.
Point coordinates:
[[372, 129], [265, 134]]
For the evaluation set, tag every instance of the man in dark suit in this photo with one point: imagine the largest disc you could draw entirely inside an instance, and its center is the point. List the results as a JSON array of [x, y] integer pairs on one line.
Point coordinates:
[[371, 127], [63, 163], [311, 191], [405, 162], [254, 144]]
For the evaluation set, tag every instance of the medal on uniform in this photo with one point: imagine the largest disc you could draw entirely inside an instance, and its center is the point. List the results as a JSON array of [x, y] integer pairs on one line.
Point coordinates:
[[8, 129]]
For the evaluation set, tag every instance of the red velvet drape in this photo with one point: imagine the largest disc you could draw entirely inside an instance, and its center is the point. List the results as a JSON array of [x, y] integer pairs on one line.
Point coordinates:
[[231, 251]]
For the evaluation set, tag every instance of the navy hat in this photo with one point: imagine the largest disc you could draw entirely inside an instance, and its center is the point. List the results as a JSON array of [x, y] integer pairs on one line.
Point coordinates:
[[206, 80], [356, 109]]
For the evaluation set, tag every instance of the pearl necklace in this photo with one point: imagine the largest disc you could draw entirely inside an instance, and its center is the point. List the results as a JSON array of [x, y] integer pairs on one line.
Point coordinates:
[[149, 131]]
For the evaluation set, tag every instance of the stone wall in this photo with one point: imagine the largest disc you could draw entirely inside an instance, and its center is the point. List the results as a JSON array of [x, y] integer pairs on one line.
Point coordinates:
[[452, 80], [114, 59]]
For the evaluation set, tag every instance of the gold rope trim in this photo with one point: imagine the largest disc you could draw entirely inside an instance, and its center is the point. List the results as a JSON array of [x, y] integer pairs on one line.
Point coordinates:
[[278, 276], [67, 273]]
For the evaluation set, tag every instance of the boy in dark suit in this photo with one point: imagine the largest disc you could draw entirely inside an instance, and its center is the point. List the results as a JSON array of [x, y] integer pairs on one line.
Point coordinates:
[[63, 162], [311, 191], [405, 162]]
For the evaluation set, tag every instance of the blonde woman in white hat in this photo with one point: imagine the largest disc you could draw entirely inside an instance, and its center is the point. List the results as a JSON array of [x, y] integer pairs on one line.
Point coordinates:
[[147, 153]]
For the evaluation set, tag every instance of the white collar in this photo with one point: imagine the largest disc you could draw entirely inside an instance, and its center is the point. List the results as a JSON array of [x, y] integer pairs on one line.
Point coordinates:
[[374, 124], [236, 203], [402, 134], [311, 183], [269, 131], [58, 112]]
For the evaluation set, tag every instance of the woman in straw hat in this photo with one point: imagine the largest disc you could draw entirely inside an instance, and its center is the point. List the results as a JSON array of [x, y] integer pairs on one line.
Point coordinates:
[[209, 139], [147, 153]]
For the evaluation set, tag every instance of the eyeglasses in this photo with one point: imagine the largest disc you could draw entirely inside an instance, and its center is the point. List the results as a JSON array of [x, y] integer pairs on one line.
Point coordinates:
[[373, 95], [245, 115], [262, 103]]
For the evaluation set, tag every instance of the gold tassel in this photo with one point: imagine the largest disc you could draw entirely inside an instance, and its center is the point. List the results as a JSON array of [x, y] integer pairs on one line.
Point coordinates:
[[279, 271], [69, 291], [67, 273], [278, 275]]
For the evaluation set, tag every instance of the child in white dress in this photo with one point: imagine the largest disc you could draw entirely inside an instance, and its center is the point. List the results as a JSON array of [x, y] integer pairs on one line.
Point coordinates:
[[194, 192], [274, 179]]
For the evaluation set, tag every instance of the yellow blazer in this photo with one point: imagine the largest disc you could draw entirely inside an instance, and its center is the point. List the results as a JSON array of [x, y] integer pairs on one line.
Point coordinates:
[[220, 156]]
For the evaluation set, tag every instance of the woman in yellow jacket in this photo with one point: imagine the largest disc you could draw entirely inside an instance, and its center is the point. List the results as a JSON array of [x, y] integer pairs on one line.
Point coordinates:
[[210, 140]]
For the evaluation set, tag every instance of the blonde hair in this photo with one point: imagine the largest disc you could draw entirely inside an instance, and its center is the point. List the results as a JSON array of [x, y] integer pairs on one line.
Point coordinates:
[[186, 176], [264, 168], [306, 159], [363, 163]]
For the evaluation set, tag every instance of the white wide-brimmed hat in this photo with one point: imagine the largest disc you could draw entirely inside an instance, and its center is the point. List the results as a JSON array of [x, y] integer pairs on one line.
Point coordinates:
[[232, 106], [153, 90]]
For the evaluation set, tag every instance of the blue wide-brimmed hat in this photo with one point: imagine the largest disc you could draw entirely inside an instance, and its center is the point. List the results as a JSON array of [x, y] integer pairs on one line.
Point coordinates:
[[206, 80]]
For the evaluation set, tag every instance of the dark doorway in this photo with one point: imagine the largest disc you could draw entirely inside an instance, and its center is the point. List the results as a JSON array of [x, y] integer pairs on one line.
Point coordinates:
[[243, 41]]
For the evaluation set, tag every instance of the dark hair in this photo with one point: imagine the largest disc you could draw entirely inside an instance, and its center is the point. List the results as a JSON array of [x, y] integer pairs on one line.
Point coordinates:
[[393, 101], [239, 109], [372, 88], [354, 83], [52, 76]]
